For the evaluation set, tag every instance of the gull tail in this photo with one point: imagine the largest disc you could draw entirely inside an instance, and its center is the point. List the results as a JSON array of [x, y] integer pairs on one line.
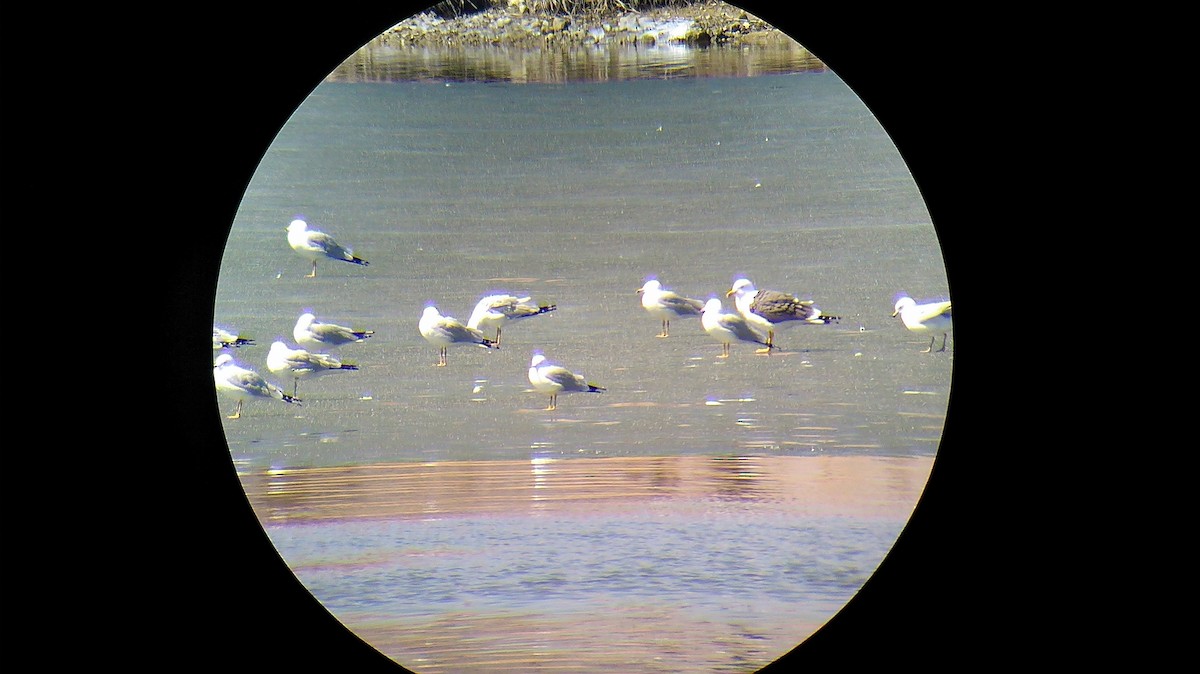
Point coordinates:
[[346, 366], [489, 344], [545, 309], [592, 388], [822, 319], [364, 334], [240, 341], [289, 398]]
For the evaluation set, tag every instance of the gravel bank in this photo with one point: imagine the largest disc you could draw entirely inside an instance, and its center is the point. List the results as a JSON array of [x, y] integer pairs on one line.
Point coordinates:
[[697, 25]]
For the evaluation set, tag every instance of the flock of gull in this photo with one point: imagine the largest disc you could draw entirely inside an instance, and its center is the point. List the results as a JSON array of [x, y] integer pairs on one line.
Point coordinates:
[[756, 316]]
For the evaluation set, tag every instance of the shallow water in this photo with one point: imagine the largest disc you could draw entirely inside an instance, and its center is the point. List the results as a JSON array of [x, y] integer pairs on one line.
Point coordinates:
[[412, 499], [580, 564], [572, 195]]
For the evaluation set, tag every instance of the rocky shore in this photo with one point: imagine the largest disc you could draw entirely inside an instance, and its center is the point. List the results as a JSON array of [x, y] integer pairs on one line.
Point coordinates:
[[697, 25]]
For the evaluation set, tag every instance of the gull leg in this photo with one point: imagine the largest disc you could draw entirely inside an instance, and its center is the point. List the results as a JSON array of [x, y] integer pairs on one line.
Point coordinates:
[[725, 350], [442, 357], [770, 342], [314, 271], [665, 325], [296, 387], [497, 338], [930, 348], [943, 343], [553, 403], [237, 412]]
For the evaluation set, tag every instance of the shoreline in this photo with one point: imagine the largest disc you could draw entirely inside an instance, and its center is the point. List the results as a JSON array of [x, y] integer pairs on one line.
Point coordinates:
[[699, 25], [704, 39]]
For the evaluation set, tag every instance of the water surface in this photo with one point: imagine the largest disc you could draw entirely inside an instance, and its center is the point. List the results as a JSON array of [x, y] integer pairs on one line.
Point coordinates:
[[383, 61], [585, 565], [572, 194], [703, 514]]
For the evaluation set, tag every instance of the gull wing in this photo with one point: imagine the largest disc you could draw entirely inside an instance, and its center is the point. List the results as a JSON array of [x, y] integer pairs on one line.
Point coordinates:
[[457, 332], [683, 306], [776, 306], [933, 310], [569, 381], [740, 328]]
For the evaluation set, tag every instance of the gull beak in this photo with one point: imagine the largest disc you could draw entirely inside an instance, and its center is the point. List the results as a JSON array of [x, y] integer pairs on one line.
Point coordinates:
[[731, 291], [895, 313]]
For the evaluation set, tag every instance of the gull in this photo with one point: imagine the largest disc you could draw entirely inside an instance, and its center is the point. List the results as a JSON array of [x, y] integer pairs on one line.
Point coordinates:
[[728, 328], [300, 363], [553, 379], [223, 338], [444, 331], [495, 310], [242, 384], [664, 304], [313, 245], [767, 308], [933, 317], [314, 335]]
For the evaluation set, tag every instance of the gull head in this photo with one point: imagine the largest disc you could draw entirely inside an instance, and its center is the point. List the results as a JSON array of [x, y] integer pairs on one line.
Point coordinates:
[[739, 286], [713, 304], [903, 303], [650, 286], [297, 225], [222, 359]]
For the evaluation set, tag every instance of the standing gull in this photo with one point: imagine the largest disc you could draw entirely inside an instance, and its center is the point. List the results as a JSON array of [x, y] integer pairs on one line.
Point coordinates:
[[223, 338], [300, 363], [767, 308], [552, 379], [664, 304], [444, 331], [729, 328], [313, 245], [494, 311], [242, 384], [314, 335], [933, 317]]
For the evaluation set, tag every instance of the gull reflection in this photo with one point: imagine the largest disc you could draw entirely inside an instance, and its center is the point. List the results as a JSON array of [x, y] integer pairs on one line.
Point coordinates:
[[737, 478], [540, 484], [541, 469]]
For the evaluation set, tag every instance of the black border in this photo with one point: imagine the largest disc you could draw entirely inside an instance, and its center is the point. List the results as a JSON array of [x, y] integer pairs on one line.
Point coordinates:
[[141, 550]]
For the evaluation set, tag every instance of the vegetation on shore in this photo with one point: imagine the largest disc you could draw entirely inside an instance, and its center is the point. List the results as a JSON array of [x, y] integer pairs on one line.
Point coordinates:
[[448, 9], [581, 22]]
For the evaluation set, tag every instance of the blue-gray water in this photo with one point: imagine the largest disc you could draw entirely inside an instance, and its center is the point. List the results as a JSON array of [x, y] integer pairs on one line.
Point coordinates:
[[574, 194]]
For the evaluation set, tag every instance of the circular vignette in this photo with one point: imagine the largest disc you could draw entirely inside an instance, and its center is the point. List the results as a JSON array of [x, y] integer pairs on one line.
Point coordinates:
[[883, 613]]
